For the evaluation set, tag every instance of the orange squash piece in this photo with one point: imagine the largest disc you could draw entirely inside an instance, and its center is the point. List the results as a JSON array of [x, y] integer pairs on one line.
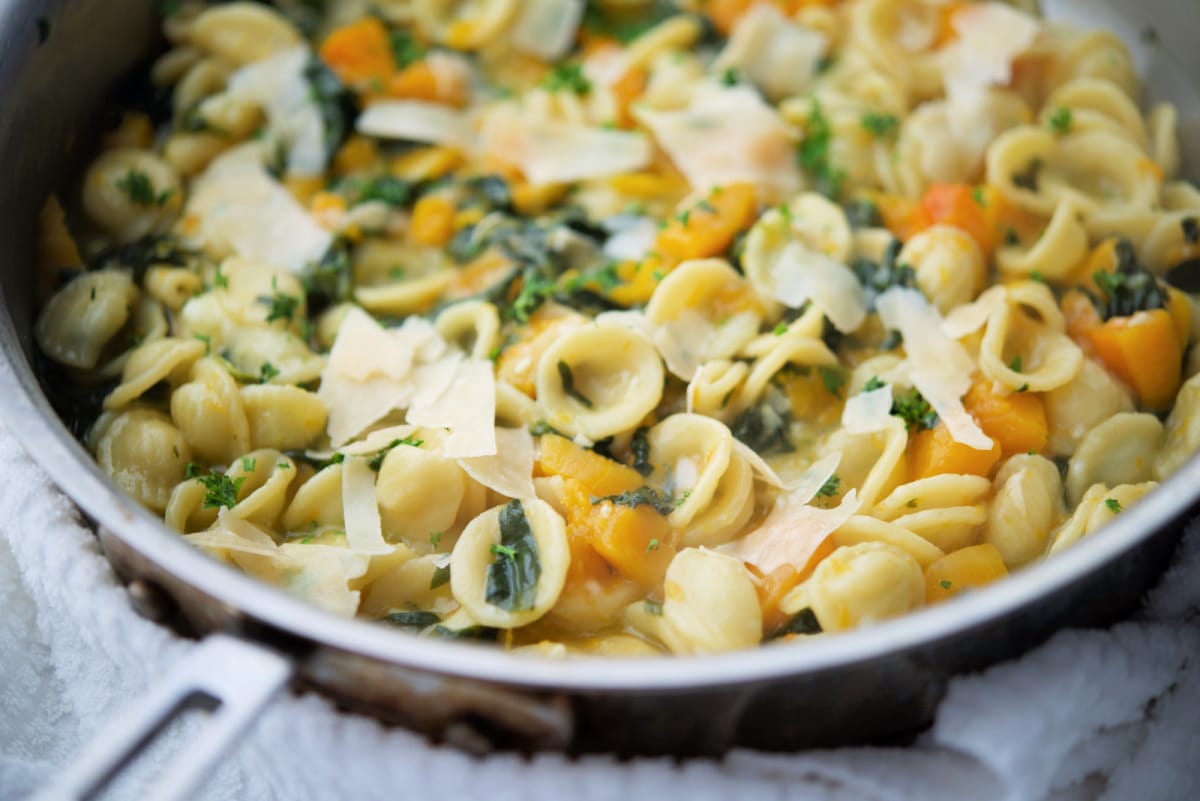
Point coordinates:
[[709, 227], [964, 569], [1081, 318], [636, 541], [934, 451], [1016, 420], [964, 207], [597, 475], [432, 221], [1144, 351], [360, 54], [903, 217]]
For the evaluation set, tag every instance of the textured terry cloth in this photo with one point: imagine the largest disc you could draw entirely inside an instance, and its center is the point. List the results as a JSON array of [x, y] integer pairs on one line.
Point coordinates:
[[1090, 715]]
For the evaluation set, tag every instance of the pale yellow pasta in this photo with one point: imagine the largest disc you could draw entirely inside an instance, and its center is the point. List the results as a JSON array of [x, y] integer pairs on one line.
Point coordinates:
[[1028, 333], [1121, 450], [872, 463], [1181, 436], [473, 553], [949, 265], [860, 585], [208, 410], [1027, 505], [317, 502], [242, 32], [474, 326], [282, 417], [265, 477], [691, 454], [728, 510], [172, 286], [168, 359], [132, 194], [145, 455], [615, 370], [863, 528], [1099, 505], [709, 604], [1060, 248], [713, 387], [419, 493], [947, 510], [82, 317], [1078, 406]]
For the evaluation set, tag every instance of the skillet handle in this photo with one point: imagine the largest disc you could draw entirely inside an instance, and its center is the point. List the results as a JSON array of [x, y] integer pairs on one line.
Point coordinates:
[[229, 678]]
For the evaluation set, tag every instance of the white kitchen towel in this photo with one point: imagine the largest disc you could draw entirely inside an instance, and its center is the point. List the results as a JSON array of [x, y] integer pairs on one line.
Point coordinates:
[[1109, 715]]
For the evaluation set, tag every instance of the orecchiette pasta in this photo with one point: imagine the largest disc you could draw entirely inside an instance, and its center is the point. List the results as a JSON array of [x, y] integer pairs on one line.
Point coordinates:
[[620, 333]]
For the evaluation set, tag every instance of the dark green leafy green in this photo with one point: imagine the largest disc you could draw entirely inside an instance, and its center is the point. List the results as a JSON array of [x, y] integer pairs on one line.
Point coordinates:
[[568, 77], [1130, 289], [764, 428], [412, 619], [568, 384], [513, 576], [803, 622], [878, 277], [642, 496], [914, 410], [831, 487], [639, 446]]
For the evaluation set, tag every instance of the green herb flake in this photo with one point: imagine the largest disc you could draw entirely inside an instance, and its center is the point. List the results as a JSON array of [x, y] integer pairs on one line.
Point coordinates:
[[731, 77], [914, 410], [1131, 288], [266, 372], [1113, 505], [248, 464], [568, 77], [978, 196], [412, 619], [512, 578], [814, 154], [441, 577], [568, 385], [376, 461], [653, 608], [803, 623], [831, 487], [780, 329], [880, 126], [435, 538], [280, 305], [873, 383], [639, 446], [834, 379], [945, 584], [652, 545], [405, 49], [1060, 120], [140, 189], [1016, 364], [221, 491], [207, 340]]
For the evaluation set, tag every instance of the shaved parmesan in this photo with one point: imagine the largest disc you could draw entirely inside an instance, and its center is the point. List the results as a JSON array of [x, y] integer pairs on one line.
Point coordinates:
[[806, 484], [364, 529], [801, 274], [547, 28], [279, 86], [792, 532], [778, 55], [552, 151], [232, 533], [510, 471], [964, 320], [417, 121], [868, 412], [467, 408], [631, 237], [990, 37], [324, 575], [236, 207], [726, 135], [938, 365]]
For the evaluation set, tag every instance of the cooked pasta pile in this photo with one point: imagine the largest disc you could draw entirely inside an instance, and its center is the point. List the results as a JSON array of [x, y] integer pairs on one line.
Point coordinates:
[[629, 327]]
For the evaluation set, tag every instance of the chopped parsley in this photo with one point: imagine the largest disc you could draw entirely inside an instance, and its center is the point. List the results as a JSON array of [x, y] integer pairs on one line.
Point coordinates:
[[220, 280], [220, 491], [568, 77], [405, 49], [140, 189], [781, 328], [731, 77], [1060, 120], [803, 622], [207, 340], [435, 538], [512, 578], [814, 155], [873, 384], [387, 189], [568, 385], [280, 305], [880, 126], [376, 461], [877, 277], [834, 379], [248, 464], [914, 410], [1113, 505], [642, 496], [1016, 364], [945, 584], [831, 487], [653, 545], [267, 372]]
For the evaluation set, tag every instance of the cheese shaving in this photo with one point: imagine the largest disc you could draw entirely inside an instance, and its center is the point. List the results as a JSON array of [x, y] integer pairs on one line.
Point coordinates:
[[364, 529], [546, 28], [236, 207], [868, 412], [467, 408], [726, 135], [510, 471], [556, 152], [778, 55], [792, 532], [801, 274], [280, 86], [417, 121], [939, 366]]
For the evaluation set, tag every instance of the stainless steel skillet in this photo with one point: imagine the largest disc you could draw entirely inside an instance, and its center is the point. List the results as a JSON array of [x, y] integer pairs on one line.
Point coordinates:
[[58, 61]]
